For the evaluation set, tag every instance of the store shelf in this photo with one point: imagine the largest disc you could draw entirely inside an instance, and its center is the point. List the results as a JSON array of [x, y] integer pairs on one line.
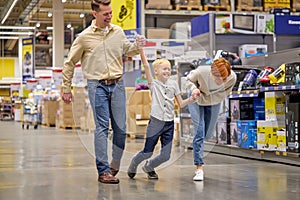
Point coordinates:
[[244, 93], [273, 156], [280, 88]]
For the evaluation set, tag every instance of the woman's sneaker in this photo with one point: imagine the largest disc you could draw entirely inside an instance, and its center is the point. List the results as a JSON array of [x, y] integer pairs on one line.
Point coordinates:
[[199, 175], [150, 171], [131, 172]]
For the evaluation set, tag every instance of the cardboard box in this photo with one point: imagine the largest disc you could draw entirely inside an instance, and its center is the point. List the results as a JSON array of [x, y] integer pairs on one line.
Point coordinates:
[[267, 134], [233, 134], [158, 33], [249, 50], [247, 136], [275, 106], [292, 127]]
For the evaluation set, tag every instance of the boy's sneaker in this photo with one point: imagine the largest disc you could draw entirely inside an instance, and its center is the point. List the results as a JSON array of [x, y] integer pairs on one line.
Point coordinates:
[[150, 171], [131, 172], [199, 176]]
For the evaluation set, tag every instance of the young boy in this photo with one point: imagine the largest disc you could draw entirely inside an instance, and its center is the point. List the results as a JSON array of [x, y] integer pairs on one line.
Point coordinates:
[[161, 123]]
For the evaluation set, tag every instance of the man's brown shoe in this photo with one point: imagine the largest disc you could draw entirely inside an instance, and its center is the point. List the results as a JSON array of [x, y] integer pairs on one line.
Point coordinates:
[[113, 171], [106, 177]]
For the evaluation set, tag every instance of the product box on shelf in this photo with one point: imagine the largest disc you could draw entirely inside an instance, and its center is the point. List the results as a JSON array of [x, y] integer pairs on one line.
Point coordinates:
[[241, 109], [292, 73], [275, 106], [281, 140], [267, 134], [233, 134], [247, 137], [259, 108], [223, 130], [292, 127], [249, 50], [269, 4]]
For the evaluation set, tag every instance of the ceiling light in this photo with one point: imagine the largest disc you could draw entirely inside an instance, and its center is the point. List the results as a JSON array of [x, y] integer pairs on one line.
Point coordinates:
[[49, 14], [63, 1], [38, 24], [18, 27], [49, 27], [16, 33], [81, 15], [9, 37], [69, 25], [9, 11]]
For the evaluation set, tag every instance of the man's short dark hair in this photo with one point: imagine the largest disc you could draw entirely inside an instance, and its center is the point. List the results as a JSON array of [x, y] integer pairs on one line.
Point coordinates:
[[96, 4]]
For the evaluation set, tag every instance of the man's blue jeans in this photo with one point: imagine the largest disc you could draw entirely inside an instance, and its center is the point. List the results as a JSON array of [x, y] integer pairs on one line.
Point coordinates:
[[204, 121], [156, 130], [108, 103]]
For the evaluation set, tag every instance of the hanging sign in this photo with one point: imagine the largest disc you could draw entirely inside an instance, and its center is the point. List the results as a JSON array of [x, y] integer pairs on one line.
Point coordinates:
[[27, 59]]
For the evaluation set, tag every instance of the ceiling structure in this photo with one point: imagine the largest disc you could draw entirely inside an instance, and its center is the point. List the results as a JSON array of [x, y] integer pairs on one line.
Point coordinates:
[[33, 12], [29, 12]]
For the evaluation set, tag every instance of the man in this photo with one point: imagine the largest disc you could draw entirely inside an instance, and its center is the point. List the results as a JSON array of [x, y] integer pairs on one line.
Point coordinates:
[[100, 48]]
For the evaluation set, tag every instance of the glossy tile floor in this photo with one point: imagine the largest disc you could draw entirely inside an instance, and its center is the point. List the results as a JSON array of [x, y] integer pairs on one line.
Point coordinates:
[[58, 164]]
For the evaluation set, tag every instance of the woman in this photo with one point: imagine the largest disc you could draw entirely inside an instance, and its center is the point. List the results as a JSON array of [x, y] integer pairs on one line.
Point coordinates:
[[213, 83]]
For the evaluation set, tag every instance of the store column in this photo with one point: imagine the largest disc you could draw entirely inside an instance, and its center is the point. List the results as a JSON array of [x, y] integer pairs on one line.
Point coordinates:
[[58, 33]]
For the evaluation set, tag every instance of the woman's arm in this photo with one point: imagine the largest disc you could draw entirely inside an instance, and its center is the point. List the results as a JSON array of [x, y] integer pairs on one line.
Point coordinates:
[[182, 103], [146, 66]]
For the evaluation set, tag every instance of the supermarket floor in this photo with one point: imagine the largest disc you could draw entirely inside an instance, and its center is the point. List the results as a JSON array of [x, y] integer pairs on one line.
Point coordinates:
[[55, 164]]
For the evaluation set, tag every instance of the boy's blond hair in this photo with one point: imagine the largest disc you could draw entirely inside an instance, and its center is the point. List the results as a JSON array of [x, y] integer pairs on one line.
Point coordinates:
[[157, 63]]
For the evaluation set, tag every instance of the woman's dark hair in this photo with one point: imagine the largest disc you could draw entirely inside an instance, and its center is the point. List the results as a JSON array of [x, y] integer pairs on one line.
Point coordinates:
[[96, 4]]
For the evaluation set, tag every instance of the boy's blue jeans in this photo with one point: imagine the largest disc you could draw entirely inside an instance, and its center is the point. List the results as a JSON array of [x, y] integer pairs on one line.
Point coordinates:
[[156, 130], [108, 103]]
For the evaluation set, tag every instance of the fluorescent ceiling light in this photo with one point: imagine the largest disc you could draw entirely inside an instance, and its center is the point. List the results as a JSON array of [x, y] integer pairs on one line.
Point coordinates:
[[9, 11], [16, 33], [9, 37], [18, 27]]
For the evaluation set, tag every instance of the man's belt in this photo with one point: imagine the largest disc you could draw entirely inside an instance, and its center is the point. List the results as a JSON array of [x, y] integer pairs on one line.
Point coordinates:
[[110, 81]]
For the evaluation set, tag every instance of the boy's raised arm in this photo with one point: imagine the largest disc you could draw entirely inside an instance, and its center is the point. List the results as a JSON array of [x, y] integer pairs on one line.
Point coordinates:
[[146, 66]]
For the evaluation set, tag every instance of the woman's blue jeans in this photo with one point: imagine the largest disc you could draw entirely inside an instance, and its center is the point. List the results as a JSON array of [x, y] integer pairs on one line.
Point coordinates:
[[156, 130], [204, 121], [108, 103]]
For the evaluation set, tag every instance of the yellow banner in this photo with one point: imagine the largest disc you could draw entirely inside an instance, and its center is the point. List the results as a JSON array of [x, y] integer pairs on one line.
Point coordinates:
[[124, 13]]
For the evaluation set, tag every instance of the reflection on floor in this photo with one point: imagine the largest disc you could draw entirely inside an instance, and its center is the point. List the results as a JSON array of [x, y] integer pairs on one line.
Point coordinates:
[[51, 163]]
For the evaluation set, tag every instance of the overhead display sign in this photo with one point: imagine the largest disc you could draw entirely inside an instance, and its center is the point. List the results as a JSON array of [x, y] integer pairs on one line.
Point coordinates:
[[27, 59], [287, 24]]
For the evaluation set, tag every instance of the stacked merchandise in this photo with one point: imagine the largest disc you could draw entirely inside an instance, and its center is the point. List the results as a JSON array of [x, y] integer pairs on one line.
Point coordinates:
[[139, 105]]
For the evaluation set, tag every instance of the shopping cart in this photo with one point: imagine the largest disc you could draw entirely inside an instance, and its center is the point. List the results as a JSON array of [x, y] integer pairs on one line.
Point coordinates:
[[30, 115]]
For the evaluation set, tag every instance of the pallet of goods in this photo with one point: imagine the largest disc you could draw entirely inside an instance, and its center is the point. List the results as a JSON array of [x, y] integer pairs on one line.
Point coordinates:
[[216, 5], [189, 5], [270, 4], [296, 6], [159, 4], [252, 5]]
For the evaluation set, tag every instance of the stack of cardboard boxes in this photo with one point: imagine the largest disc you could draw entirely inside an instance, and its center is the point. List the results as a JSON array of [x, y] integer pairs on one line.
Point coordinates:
[[138, 111]]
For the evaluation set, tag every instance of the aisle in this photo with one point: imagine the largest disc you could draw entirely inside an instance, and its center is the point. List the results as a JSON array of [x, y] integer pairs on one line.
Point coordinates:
[[56, 164]]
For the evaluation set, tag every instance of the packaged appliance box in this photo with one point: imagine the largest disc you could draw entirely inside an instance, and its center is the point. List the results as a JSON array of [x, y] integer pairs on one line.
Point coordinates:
[[249, 50]]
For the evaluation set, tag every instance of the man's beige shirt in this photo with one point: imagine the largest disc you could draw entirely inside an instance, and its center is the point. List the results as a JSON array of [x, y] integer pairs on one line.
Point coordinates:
[[100, 54]]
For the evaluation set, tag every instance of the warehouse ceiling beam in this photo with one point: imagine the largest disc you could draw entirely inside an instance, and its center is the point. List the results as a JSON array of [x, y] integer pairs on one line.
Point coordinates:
[[5, 12]]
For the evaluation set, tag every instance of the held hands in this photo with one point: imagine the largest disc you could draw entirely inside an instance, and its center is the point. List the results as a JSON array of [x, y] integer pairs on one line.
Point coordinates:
[[67, 97], [141, 41], [195, 95]]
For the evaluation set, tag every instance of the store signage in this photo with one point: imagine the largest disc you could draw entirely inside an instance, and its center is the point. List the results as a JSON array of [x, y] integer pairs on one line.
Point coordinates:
[[287, 24], [27, 59], [125, 13]]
